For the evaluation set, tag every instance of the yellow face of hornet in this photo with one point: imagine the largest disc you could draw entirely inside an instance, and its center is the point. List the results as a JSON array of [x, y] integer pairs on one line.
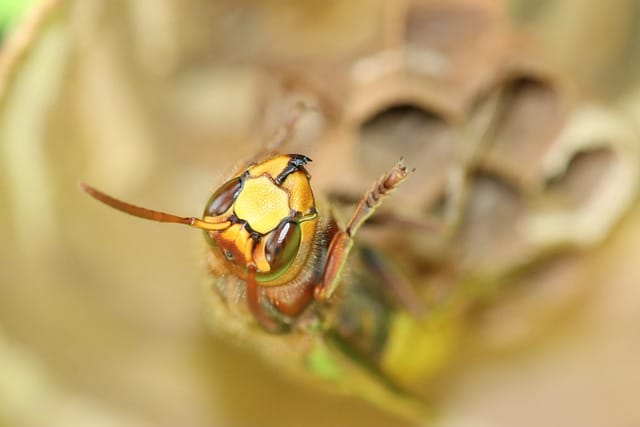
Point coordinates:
[[269, 218]]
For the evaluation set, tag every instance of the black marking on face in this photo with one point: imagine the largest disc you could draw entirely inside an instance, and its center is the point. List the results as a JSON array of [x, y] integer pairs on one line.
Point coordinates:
[[296, 163]]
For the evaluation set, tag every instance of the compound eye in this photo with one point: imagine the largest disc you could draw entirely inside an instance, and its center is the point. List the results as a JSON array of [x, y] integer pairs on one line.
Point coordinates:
[[282, 247], [222, 199]]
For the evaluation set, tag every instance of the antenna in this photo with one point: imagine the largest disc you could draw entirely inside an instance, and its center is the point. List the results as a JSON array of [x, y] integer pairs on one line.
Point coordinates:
[[150, 214]]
